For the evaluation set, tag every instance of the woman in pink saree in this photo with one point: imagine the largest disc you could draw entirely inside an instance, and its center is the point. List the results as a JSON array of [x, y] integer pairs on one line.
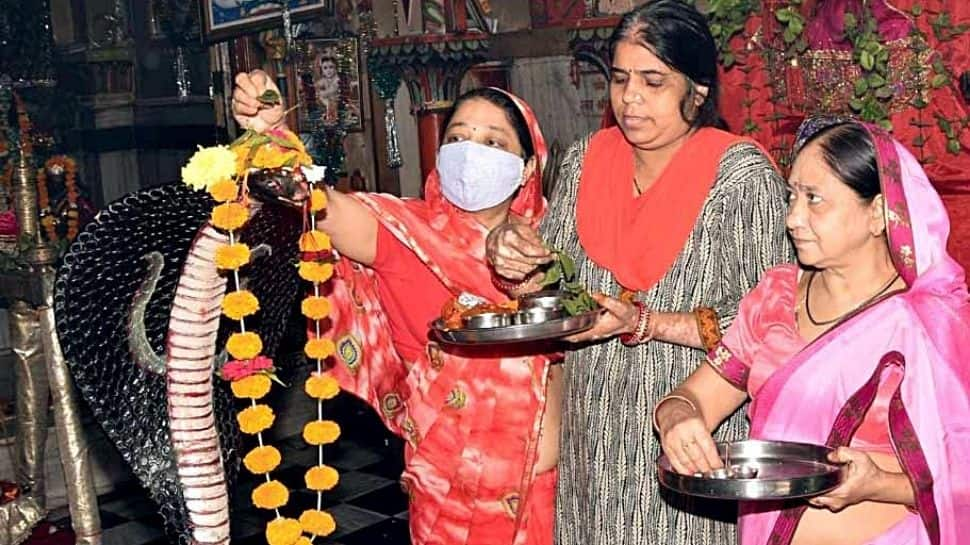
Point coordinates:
[[863, 347]]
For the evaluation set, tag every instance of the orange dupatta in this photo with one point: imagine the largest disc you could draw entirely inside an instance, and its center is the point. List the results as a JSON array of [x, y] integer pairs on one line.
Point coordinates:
[[639, 238]]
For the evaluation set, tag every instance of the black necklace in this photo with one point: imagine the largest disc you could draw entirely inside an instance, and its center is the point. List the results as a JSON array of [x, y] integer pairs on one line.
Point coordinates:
[[808, 293]]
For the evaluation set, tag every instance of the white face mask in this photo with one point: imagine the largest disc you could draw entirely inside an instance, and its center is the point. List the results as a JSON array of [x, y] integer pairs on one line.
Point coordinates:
[[475, 176]]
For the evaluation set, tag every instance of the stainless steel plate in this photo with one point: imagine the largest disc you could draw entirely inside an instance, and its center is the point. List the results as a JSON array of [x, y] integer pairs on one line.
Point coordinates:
[[552, 329], [781, 470]]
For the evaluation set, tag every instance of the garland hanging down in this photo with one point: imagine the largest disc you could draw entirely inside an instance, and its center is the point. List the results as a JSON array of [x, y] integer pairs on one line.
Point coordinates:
[[224, 172]]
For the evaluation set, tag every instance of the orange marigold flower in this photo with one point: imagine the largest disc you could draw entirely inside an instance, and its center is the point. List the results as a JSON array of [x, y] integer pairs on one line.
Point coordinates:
[[315, 308], [283, 531], [251, 387], [314, 271], [262, 460], [304, 540], [318, 523], [232, 256], [224, 190], [244, 346], [319, 349], [321, 432], [268, 156], [242, 153], [321, 478], [270, 495], [314, 241], [255, 419], [239, 304], [322, 386], [230, 216], [318, 200]]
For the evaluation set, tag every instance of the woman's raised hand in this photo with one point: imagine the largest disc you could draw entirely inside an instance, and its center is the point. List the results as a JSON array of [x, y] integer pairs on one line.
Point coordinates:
[[248, 111], [515, 250], [685, 438]]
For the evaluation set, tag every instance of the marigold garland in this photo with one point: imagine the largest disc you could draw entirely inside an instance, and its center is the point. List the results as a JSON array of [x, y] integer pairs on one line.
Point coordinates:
[[315, 308], [319, 349], [321, 432], [270, 495], [318, 523], [312, 271], [224, 190], [322, 386], [283, 531], [321, 478], [230, 216], [239, 304], [244, 346], [314, 241], [255, 419], [262, 459], [223, 172], [232, 256], [251, 387]]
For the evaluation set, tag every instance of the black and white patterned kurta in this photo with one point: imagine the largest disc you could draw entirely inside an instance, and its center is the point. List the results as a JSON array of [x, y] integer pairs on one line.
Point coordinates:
[[608, 490]]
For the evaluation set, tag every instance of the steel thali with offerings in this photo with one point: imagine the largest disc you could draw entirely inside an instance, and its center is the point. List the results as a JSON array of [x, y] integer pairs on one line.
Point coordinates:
[[760, 470], [540, 316]]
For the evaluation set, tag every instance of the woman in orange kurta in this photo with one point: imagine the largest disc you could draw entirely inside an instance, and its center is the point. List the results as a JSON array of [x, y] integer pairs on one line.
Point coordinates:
[[481, 446]]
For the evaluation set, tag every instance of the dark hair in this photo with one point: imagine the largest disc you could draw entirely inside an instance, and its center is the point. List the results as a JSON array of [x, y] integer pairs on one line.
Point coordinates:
[[512, 113], [848, 151], [678, 34]]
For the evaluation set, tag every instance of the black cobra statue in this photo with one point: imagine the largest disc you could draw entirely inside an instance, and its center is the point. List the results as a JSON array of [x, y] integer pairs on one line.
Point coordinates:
[[138, 312]]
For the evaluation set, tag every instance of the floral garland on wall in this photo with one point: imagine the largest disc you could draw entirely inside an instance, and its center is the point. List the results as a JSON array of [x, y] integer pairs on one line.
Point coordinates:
[[224, 172]]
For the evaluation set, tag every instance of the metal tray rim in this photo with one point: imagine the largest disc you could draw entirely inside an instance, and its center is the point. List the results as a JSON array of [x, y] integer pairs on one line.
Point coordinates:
[[517, 333]]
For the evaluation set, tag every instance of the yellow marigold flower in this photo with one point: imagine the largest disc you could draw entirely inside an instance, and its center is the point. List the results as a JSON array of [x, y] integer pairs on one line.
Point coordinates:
[[208, 166], [253, 420], [318, 200], [268, 156], [283, 531], [322, 386], [230, 216], [270, 495], [239, 304], [262, 460], [244, 346], [321, 478], [241, 153], [251, 387], [315, 308], [314, 241], [318, 523], [224, 190], [232, 256], [304, 540], [314, 271], [321, 432], [319, 349]]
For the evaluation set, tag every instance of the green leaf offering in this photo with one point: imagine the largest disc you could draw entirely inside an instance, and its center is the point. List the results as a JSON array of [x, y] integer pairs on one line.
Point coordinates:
[[269, 98], [576, 300]]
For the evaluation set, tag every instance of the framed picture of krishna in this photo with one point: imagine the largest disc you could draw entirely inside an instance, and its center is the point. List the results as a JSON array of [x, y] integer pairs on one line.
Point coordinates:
[[328, 84], [224, 19]]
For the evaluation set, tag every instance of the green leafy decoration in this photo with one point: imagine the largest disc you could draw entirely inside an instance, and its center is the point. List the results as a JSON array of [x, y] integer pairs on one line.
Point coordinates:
[[269, 98], [562, 271]]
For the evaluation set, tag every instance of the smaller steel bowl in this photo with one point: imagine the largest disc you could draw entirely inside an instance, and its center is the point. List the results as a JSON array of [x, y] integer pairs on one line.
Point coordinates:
[[743, 471], [537, 315], [488, 320], [542, 299]]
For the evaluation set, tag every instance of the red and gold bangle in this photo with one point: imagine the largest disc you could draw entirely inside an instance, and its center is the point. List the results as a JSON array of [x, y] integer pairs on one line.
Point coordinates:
[[708, 327], [641, 332]]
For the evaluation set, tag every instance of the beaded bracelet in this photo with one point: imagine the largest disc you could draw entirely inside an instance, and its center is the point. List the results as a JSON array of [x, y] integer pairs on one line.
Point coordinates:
[[641, 332], [507, 286]]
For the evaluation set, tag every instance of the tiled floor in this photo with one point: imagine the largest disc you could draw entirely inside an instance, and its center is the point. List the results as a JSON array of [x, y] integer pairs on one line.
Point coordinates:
[[368, 504]]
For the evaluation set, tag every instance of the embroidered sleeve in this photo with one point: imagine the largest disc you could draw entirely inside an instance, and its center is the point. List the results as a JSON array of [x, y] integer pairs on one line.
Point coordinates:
[[729, 366]]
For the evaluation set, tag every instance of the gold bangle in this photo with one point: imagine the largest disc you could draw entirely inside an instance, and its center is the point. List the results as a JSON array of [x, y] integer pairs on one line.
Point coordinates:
[[666, 398]]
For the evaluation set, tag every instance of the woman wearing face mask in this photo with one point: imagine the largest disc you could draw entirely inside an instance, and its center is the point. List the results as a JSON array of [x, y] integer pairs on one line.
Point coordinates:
[[481, 446], [675, 220]]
